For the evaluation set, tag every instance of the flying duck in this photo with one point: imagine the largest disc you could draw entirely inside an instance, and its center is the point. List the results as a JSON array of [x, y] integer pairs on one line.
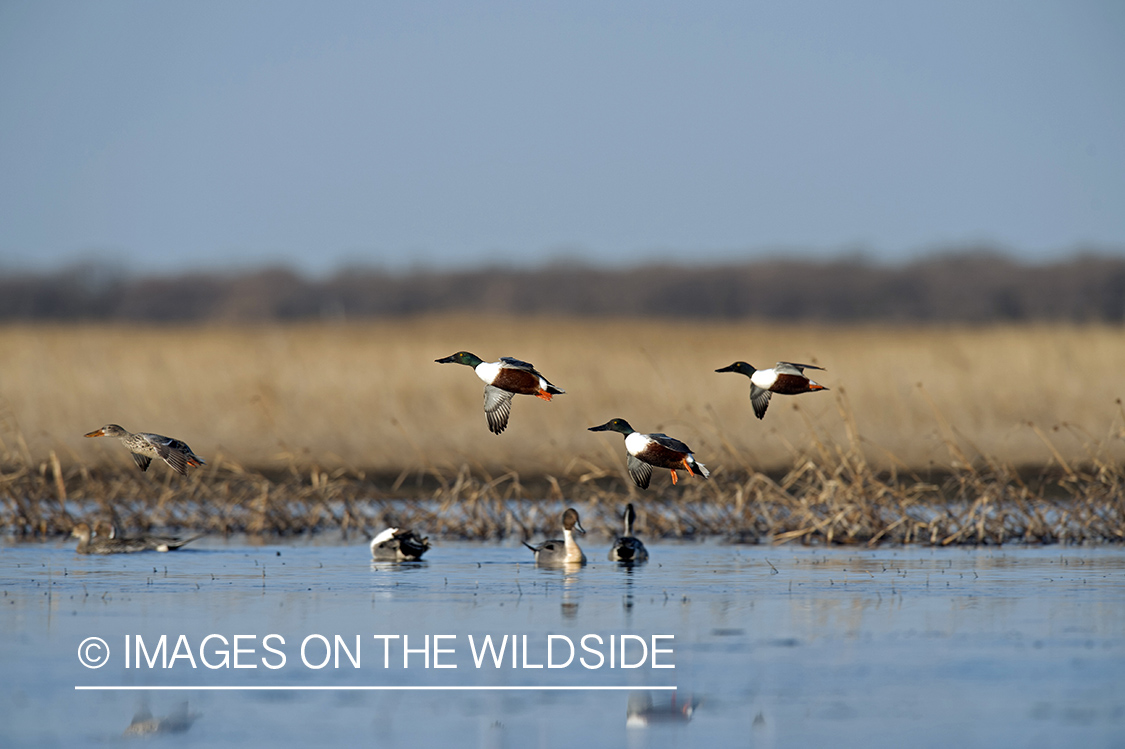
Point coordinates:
[[144, 447], [648, 450], [503, 379], [784, 377]]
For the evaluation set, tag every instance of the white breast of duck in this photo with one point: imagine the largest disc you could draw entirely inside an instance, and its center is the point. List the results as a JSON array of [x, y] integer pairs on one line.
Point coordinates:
[[636, 443], [488, 371], [764, 378], [573, 551]]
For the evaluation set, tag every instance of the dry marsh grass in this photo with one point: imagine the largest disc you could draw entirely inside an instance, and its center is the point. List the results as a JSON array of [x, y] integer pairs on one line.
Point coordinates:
[[328, 426]]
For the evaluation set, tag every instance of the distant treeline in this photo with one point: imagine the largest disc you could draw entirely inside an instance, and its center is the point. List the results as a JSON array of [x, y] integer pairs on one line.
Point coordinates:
[[979, 287]]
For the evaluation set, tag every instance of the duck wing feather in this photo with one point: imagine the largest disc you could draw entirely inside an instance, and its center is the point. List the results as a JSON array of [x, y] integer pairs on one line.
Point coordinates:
[[639, 471], [760, 399], [788, 367], [497, 408]]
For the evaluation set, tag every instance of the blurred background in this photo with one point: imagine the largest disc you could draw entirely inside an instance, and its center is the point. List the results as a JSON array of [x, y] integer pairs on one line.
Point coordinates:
[[495, 173]]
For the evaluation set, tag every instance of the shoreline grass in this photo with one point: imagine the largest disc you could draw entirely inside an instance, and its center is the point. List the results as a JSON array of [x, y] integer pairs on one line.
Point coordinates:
[[834, 498], [934, 435]]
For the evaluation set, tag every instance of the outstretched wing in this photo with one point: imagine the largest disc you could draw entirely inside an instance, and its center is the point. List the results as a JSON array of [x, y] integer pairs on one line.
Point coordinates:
[[142, 461], [639, 471], [669, 442], [497, 408], [172, 456], [760, 399], [788, 367]]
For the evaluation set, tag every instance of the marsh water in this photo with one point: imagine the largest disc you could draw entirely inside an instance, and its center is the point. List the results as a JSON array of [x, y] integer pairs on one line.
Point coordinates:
[[771, 646]]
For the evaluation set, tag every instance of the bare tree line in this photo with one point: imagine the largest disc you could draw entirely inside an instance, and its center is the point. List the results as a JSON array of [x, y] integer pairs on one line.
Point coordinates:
[[969, 287]]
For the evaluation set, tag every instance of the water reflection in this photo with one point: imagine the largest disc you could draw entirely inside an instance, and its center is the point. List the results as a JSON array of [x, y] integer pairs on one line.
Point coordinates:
[[177, 721], [644, 709], [834, 636]]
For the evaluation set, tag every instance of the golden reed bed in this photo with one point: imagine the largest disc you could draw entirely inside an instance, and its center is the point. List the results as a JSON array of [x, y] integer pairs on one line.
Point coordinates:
[[924, 414]]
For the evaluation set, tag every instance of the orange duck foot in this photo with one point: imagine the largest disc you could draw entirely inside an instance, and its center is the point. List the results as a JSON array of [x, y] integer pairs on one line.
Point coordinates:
[[543, 394], [688, 467], [673, 476]]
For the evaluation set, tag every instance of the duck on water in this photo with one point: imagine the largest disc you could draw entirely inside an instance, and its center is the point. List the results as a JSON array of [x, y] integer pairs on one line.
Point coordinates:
[[90, 544], [565, 551], [628, 549]]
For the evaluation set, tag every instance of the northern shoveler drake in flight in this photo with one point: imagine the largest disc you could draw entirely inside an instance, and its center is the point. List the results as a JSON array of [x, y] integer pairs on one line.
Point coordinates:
[[106, 545], [627, 548], [394, 545], [144, 447], [785, 378], [502, 380], [648, 450], [566, 551]]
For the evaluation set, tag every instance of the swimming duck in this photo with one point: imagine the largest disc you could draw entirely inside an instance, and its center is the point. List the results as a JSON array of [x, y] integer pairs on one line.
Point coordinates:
[[106, 545], [648, 450], [627, 548], [784, 377], [394, 545], [502, 380], [105, 529], [144, 447], [565, 551]]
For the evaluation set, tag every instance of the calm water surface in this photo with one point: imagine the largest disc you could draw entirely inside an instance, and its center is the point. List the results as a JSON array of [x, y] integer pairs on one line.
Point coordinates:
[[772, 646]]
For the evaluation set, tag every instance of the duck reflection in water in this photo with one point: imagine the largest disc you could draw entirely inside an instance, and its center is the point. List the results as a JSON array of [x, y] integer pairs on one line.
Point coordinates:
[[177, 721], [642, 712]]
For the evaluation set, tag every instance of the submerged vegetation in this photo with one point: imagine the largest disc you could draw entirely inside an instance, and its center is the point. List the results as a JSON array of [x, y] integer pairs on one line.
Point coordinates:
[[933, 436]]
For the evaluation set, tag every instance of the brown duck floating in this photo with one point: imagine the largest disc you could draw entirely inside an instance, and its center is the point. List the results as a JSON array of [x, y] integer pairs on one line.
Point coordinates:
[[90, 544]]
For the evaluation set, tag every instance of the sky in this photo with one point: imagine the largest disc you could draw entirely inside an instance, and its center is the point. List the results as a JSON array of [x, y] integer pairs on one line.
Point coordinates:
[[161, 137]]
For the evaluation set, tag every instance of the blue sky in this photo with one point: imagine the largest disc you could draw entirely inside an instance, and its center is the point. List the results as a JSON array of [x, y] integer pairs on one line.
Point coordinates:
[[166, 136]]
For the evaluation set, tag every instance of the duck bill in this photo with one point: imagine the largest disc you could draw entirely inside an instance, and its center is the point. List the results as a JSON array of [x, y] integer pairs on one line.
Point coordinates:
[[602, 428], [731, 368], [446, 360], [578, 527], [96, 433]]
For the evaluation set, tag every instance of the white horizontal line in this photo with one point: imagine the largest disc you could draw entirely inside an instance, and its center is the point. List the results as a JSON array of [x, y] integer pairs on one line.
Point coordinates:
[[379, 688]]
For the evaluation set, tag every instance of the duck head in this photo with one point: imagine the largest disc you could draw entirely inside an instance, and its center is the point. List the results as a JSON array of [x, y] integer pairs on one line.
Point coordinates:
[[109, 430], [614, 425], [461, 357], [571, 521], [739, 366]]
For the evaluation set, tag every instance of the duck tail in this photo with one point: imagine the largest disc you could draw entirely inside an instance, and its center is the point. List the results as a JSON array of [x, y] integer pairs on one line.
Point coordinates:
[[525, 543], [185, 542]]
